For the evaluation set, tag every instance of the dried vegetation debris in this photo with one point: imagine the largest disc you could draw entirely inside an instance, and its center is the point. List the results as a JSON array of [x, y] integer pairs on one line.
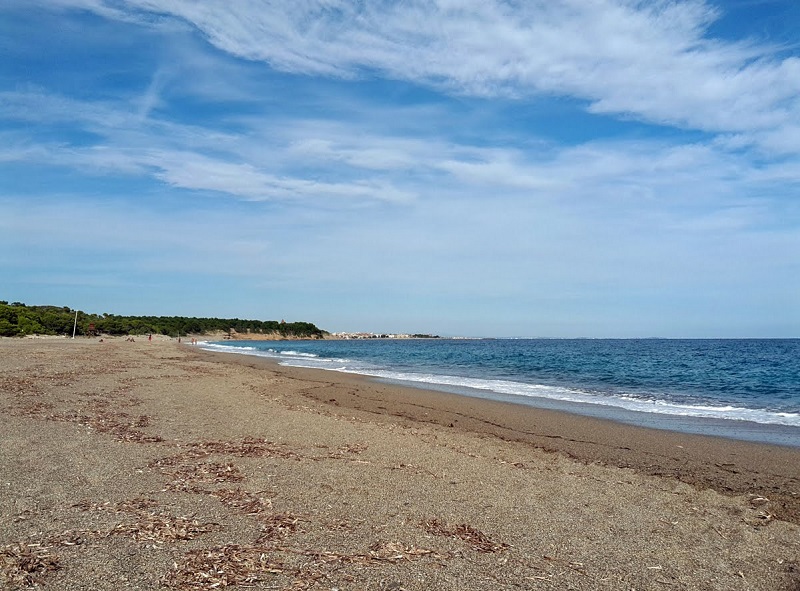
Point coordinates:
[[278, 526], [248, 447], [185, 478], [248, 565], [478, 540], [379, 552], [395, 551], [127, 506], [187, 473], [415, 470], [223, 566], [31, 409], [25, 564], [20, 385], [242, 501], [351, 448], [94, 415], [120, 425], [253, 447], [162, 527], [203, 368], [147, 524]]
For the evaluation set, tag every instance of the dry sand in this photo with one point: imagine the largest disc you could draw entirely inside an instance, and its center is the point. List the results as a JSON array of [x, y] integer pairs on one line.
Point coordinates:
[[154, 465]]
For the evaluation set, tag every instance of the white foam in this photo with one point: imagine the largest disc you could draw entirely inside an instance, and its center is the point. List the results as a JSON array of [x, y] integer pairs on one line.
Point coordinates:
[[296, 354], [630, 403], [294, 358]]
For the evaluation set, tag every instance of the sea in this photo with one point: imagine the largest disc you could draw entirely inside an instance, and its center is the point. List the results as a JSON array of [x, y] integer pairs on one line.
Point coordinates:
[[746, 389]]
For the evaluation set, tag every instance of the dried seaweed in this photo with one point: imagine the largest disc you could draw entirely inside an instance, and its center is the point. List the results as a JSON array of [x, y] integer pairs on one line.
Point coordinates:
[[352, 449], [23, 565], [32, 409], [24, 386], [395, 551], [380, 551], [246, 448], [186, 477], [72, 537], [147, 525], [142, 421], [129, 506], [223, 566], [118, 425], [277, 526], [161, 527], [242, 500], [478, 540]]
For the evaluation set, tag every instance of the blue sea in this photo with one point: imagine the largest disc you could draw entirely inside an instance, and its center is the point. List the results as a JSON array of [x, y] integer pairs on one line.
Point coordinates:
[[737, 388]]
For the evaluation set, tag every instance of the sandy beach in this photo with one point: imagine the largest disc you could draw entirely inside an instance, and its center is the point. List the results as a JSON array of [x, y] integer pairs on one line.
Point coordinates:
[[146, 465]]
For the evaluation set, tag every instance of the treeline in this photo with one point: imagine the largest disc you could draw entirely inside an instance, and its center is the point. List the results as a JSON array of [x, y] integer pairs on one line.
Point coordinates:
[[17, 319]]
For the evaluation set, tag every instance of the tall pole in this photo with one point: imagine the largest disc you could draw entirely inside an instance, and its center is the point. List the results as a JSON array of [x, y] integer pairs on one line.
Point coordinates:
[[75, 326]]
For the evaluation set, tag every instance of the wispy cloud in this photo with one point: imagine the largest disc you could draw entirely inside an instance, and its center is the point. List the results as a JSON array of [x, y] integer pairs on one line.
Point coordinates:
[[651, 61], [326, 160], [151, 97]]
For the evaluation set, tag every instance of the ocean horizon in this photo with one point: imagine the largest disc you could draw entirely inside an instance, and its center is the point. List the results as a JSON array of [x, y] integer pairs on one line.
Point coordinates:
[[746, 389]]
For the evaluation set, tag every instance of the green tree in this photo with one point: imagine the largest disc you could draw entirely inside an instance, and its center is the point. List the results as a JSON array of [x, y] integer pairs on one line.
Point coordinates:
[[29, 326], [7, 329]]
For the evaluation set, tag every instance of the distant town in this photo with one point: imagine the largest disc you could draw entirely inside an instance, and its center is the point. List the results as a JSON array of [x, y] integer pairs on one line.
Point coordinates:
[[373, 335]]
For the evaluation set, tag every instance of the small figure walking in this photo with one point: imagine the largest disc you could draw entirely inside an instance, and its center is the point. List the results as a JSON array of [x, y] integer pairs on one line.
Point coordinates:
[[149, 337]]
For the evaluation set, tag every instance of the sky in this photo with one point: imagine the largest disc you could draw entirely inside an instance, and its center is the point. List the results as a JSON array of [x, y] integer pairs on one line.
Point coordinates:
[[540, 168]]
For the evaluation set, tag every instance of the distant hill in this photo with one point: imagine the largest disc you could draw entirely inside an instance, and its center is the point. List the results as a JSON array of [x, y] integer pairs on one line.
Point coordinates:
[[18, 319]]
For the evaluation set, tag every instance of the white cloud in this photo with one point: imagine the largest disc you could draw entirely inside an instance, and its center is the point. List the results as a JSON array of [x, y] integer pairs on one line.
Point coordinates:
[[647, 60], [503, 171], [374, 153], [37, 105], [342, 163], [193, 171]]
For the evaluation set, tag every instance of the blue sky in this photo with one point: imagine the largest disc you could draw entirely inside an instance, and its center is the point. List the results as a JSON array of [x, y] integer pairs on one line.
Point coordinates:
[[608, 168]]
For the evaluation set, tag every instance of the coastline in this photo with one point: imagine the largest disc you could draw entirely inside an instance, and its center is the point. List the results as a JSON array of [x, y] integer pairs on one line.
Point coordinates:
[[726, 465], [143, 465], [681, 407]]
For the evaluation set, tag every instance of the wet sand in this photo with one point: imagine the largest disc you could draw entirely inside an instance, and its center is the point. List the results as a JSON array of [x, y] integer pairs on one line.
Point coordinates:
[[725, 465], [140, 465]]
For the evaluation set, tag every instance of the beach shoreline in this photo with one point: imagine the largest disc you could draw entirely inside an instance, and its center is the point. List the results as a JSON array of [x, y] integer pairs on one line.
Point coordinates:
[[699, 387], [142, 465], [726, 465]]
